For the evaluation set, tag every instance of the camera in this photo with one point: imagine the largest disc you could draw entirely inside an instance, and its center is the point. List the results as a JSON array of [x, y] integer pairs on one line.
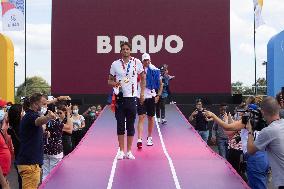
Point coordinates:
[[254, 115]]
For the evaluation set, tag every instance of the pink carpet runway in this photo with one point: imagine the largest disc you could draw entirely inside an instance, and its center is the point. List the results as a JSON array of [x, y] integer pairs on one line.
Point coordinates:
[[178, 159]]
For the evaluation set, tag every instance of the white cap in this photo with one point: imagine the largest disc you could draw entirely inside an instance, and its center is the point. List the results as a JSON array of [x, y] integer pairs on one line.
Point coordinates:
[[145, 56]]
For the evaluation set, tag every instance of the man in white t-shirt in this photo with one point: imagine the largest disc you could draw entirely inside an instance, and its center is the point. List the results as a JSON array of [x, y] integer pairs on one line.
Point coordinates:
[[123, 77], [151, 98], [270, 139]]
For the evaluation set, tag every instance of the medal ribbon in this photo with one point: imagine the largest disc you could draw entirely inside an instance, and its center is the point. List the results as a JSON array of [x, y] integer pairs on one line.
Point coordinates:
[[128, 68]]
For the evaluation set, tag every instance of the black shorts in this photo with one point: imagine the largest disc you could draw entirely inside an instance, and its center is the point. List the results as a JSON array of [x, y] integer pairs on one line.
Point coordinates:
[[147, 108]]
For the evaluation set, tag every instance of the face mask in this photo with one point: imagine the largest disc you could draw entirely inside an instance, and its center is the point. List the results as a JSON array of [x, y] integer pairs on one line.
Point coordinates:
[[92, 114], [8, 107], [42, 111], [2, 115], [75, 112]]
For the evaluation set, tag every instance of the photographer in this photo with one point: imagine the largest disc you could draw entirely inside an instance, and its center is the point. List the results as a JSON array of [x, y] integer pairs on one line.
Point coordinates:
[[66, 136], [53, 148], [279, 98], [220, 136], [270, 139], [235, 148], [201, 121], [90, 116], [99, 110], [30, 156], [257, 164]]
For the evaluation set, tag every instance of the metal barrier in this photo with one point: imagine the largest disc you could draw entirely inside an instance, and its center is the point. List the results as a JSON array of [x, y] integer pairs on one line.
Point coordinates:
[[250, 90]]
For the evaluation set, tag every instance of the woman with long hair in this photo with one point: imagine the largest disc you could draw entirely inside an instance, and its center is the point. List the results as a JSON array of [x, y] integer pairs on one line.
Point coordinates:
[[15, 115], [53, 147]]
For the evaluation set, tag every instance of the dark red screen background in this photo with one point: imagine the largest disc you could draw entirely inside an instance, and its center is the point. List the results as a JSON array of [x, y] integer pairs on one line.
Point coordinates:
[[203, 65]]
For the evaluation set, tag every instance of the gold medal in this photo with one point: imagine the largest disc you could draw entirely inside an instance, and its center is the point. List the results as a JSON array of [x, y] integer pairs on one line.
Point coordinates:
[[126, 80]]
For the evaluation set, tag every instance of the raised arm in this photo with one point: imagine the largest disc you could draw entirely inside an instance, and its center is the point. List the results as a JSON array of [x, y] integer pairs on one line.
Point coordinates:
[[44, 119], [83, 124], [68, 127], [85, 114], [192, 116], [235, 126], [60, 98]]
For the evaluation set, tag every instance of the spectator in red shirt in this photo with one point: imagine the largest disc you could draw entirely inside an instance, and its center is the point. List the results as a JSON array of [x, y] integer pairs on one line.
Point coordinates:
[[5, 161]]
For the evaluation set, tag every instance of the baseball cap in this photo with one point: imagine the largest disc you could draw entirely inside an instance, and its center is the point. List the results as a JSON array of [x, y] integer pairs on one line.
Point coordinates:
[[252, 107], [2, 103], [145, 56]]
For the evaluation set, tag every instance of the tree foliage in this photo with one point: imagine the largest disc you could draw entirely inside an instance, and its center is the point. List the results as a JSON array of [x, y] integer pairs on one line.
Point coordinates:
[[239, 88], [34, 84]]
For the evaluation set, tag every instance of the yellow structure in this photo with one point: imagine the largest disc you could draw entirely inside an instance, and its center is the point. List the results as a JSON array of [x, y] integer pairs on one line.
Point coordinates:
[[6, 69]]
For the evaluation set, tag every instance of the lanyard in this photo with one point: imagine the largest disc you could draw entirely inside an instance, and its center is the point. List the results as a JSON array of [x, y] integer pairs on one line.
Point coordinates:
[[128, 67], [127, 72]]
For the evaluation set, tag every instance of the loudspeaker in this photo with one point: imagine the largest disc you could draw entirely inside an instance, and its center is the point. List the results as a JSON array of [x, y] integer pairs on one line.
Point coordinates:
[[237, 98]]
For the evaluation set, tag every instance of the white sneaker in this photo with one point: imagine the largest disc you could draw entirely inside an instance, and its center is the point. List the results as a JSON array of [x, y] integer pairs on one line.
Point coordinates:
[[164, 121], [129, 155], [120, 155], [159, 120], [149, 141], [173, 102]]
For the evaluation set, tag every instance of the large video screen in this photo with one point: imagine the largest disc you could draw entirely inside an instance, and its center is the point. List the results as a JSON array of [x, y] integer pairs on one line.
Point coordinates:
[[191, 36]]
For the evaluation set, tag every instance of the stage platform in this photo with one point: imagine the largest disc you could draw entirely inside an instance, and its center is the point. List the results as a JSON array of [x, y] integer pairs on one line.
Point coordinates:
[[178, 159]]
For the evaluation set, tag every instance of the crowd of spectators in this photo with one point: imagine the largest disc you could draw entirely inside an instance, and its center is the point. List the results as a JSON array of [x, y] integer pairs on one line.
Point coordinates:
[[37, 134]]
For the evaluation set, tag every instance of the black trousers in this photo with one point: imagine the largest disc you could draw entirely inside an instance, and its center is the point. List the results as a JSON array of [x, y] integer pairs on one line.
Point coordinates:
[[76, 138], [125, 112], [234, 158], [160, 108], [19, 177], [67, 143], [170, 97]]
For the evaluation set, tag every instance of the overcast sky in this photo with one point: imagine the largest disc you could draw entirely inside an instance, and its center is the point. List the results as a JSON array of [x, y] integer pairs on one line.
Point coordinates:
[[242, 58]]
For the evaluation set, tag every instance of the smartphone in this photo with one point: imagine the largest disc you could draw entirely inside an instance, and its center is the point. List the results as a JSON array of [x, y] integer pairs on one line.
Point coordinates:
[[49, 98], [68, 102]]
